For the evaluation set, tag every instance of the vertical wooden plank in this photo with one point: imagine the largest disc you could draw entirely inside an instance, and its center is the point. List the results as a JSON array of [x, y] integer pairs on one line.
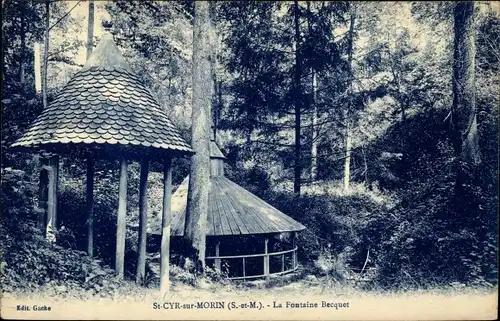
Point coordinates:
[[90, 206], [143, 222], [217, 253], [266, 257], [165, 232], [121, 220], [282, 262], [244, 272]]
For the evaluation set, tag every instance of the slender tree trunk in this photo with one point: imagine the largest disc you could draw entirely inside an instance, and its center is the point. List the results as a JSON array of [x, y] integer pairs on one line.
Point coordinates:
[[213, 67], [314, 123], [298, 103], [347, 118], [90, 28], [466, 140], [365, 171], [22, 75], [199, 178], [46, 54], [314, 115], [37, 68], [347, 158]]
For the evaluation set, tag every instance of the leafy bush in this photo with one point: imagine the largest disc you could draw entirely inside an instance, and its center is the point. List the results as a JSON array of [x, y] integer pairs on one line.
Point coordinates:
[[28, 260], [438, 232]]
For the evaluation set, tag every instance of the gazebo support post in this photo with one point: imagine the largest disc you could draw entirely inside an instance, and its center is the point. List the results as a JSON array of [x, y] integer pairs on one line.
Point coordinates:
[[143, 222], [90, 206], [121, 221], [43, 194], [53, 172], [165, 231], [217, 253], [266, 257]]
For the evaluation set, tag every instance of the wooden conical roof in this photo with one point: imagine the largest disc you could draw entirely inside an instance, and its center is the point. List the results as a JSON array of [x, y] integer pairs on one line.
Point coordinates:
[[104, 104], [232, 210]]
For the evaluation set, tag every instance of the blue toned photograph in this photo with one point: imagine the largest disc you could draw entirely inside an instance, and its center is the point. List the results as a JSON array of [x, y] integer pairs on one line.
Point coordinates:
[[249, 160]]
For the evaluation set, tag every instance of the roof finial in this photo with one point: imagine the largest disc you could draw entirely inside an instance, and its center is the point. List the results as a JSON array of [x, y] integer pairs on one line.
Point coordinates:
[[107, 25]]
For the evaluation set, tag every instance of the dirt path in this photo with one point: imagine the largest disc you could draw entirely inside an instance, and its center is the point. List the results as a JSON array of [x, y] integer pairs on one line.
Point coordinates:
[[297, 301]]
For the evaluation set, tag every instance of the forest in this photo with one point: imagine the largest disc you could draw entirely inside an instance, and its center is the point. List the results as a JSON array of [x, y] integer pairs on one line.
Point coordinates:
[[372, 124]]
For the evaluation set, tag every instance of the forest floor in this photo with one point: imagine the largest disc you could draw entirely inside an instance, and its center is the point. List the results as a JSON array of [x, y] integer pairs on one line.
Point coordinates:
[[344, 300]]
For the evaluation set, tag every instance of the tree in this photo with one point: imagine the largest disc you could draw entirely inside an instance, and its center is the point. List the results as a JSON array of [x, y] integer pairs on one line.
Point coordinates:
[[90, 29], [46, 54], [271, 76], [347, 120], [23, 48], [199, 178], [298, 101], [466, 140], [314, 112], [156, 39]]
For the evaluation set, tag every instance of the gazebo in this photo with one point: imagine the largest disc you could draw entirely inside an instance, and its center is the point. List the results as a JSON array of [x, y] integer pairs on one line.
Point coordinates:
[[247, 238], [106, 112]]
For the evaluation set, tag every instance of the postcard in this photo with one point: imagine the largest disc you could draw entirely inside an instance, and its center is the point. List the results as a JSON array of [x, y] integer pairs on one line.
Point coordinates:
[[259, 160]]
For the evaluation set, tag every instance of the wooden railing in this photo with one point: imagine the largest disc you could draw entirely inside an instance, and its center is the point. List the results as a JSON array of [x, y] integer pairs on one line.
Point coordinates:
[[266, 256]]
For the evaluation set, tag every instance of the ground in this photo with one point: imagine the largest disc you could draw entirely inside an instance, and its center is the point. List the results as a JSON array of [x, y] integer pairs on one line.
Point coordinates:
[[293, 300]]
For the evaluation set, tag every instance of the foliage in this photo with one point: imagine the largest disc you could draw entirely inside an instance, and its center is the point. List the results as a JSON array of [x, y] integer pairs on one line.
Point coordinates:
[[28, 260]]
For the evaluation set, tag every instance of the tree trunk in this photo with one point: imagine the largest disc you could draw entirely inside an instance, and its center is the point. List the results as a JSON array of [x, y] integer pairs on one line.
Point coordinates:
[[199, 178], [298, 103], [22, 75], [216, 95], [347, 118], [314, 115], [46, 54], [314, 123], [466, 140], [347, 158], [37, 71], [365, 171], [90, 28]]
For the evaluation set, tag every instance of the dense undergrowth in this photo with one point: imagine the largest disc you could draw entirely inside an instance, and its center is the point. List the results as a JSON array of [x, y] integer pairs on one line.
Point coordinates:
[[412, 231]]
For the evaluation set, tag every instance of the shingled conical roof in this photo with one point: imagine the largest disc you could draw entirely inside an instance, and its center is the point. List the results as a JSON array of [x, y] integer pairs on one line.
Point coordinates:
[[104, 104]]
